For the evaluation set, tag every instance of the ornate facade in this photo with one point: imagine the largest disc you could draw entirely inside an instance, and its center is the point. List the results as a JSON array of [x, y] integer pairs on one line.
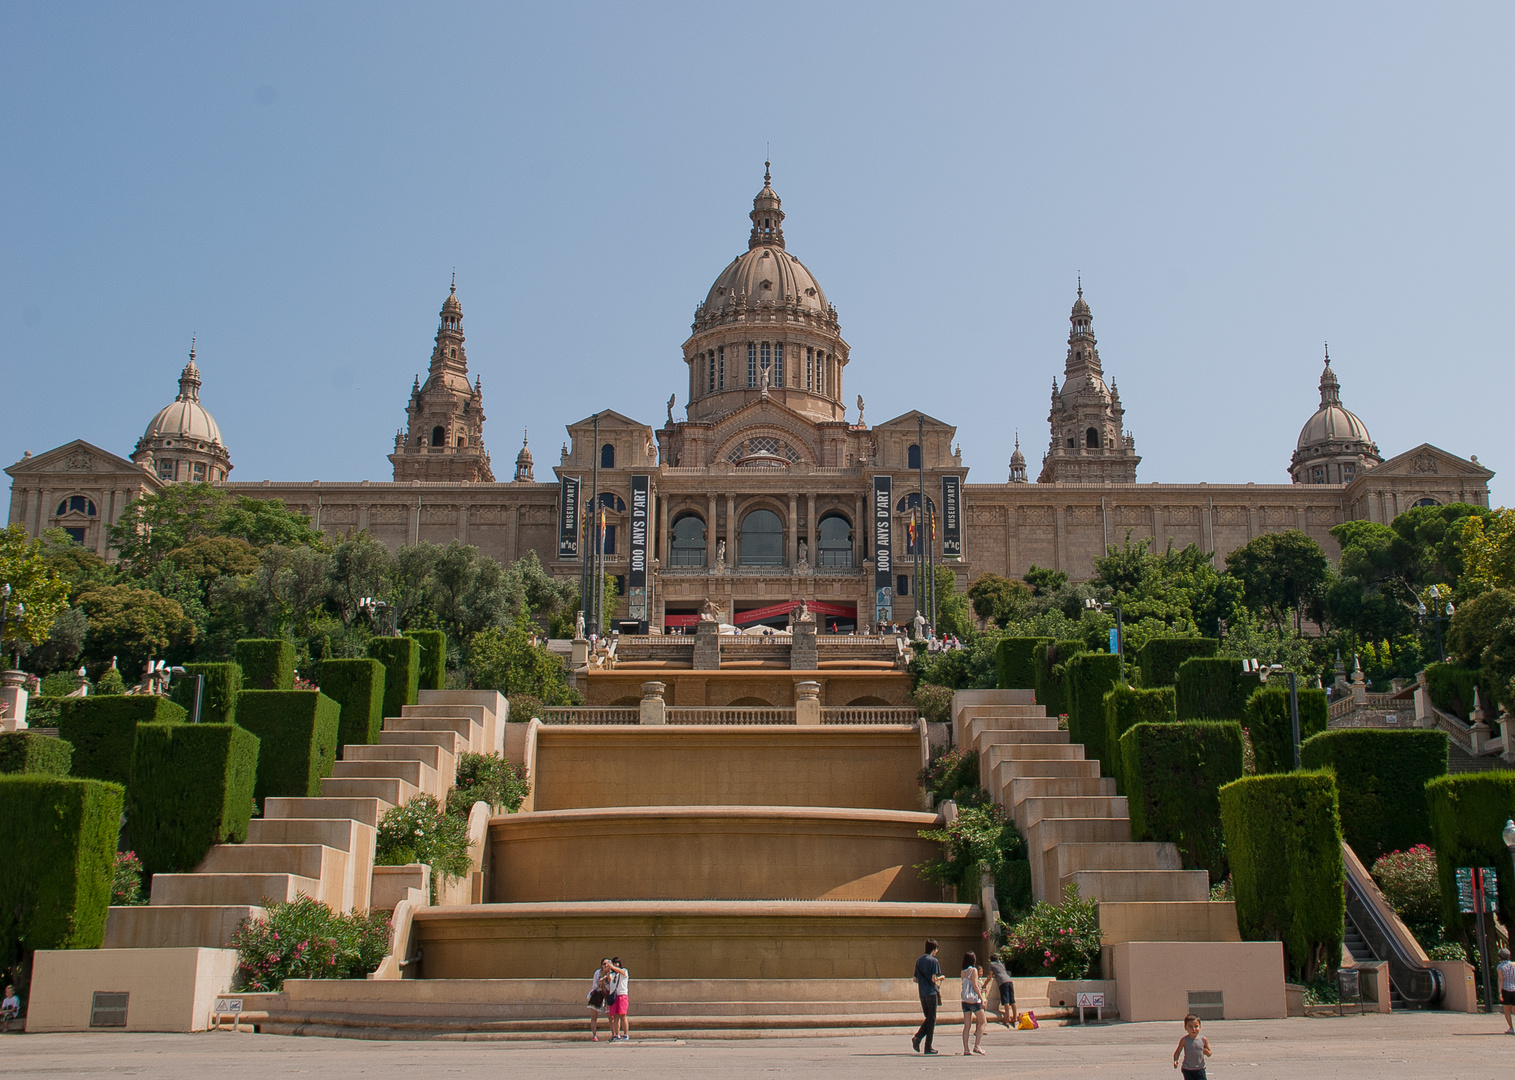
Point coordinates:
[[765, 493]]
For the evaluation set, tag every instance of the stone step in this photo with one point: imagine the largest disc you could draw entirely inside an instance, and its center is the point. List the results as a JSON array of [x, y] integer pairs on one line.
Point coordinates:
[[339, 833], [980, 724], [433, 756], [1017, 737], [229, 889], [461, 726], [176, 926], [1049, 832], [303, 860], [1061, 750], [416, 773], [1142, 886], [1016, 791], [365, 809], [1002, 772], [1191, 920], [390, 790], [448, 740], [1033, 808], [1065, 859]]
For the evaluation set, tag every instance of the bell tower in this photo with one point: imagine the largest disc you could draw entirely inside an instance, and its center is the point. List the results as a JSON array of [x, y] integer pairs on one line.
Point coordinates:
[[1089, 443], [444, 434]]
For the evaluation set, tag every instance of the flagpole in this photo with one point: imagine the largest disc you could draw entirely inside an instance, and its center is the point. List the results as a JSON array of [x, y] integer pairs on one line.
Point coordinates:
[[591, 593]]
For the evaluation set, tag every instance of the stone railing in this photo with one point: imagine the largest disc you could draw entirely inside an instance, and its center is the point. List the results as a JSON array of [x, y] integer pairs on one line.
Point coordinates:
[[870, 714], [1384, 702], [1459, 732], [592, 714], [732, 714]]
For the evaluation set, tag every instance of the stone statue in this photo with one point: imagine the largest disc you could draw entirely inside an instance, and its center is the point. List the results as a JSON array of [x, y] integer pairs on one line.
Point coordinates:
[[801, 614], [804, 556], [711, 612], [578, 626], [763, 382], [860, 410], [920, 626], [720, 553], [670, 407]]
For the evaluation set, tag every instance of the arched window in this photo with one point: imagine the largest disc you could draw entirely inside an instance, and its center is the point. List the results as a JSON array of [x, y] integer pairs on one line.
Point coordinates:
[[438, 436], [762, 539], [1091, 439], [611, 501], [834, 544], [913, 528], [711, 382], [913, 456], [687, 546], [720, 367], [78, 504], [607, 456], [778, 364], [1426, 502]]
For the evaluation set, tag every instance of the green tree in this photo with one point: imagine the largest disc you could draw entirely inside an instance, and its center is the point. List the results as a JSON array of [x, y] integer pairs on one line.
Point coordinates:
[[1281, 574], [35, 585], [998, 599], [1433, 541], [1488, 545], [154, 525], [1043, 581], [132, 624], [952, 612], [507, 661]]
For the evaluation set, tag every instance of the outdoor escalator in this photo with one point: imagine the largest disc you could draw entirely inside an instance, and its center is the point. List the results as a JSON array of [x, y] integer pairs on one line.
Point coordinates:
[[1374, 932]]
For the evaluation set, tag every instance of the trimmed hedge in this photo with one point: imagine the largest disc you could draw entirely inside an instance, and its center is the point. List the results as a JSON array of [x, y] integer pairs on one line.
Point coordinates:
[[1214, 688], [1266, 719], [38, 755], [1090, 677], [1381, 779], [1283, 839], [267, 663], [218, 705], [192, 788], [103, 731], [1015, 662], [433, 669], [59, 838], [1049, 659], [297, 733], [1452, 690], [1468, 812], [1161, 658], [358, 687], [1173, 774], [1124, 707], [401, 657]]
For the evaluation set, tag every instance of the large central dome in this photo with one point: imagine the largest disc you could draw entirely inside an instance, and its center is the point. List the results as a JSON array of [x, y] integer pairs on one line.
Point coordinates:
[[766, 329]]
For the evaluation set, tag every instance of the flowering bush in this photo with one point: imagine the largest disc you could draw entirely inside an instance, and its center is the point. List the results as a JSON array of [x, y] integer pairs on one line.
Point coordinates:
[[980, 836], [1059, 941], [952, 775], [419, 831], [934, 702], [126, 884], [490, 778], [305, 939]]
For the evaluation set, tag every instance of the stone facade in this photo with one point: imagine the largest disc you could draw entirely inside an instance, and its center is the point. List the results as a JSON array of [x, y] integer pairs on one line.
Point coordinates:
[[762, 494]]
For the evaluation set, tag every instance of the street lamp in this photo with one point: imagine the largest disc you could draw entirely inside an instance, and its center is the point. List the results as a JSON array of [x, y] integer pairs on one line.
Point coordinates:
[[194, 712], [7, 620], [1091, 604], [376, 610], [1436, 616], [1509, 840]]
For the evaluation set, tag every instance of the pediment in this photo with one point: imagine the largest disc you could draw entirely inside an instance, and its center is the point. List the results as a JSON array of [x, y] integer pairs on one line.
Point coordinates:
[[910, 420], [609, 419], [77, 458], [1426, 461], [763, 419]]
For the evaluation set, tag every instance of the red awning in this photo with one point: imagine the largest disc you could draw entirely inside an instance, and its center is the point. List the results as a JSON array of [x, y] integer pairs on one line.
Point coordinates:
[[680, 620], [774, 611]]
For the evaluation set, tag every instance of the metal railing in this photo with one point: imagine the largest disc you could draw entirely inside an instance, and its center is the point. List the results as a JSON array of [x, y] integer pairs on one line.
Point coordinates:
[[732, 714], [592, 714], [1387, 936], [870, 714]]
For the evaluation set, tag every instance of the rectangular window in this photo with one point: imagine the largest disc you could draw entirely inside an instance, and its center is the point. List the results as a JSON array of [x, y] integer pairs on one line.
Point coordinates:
[[720, 368], [809, 369], [166, 470], [609, 539], [820, 373], [768, 360], [712, 371], [199, 471], [901, 585], [778, 364], [751, 364]]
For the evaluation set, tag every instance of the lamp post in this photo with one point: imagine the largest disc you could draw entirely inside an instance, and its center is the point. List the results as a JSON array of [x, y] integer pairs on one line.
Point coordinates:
[[1436, 616], [7, 620], [376, 610], [1509, 842], [194, 712], [1091, 604]]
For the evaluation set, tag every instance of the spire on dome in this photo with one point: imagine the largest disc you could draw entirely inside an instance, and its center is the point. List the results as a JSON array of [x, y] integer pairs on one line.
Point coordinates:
[[1330, 388], [523, 462], [767, 215], [1017, 463], [189, 378]]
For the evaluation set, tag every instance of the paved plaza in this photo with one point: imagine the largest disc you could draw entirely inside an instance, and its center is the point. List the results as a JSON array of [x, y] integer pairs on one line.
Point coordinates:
[[1439, 1045]]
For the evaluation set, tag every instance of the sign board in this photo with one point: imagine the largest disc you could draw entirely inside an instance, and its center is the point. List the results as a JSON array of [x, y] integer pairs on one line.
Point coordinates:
[[1091, 1001], [883, 541], [227, 1006], [1476, 883], [641, 517], [568, 517], [883, 605], [952, 519], [1114, 641]]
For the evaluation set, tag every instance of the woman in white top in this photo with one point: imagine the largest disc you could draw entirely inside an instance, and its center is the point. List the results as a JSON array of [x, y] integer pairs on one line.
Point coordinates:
[[974, 985]]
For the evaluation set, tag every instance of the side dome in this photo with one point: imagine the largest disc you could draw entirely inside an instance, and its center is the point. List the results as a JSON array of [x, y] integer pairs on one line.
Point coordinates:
[[1334, 446], [1333, 424], [184, 417], [183, 441]]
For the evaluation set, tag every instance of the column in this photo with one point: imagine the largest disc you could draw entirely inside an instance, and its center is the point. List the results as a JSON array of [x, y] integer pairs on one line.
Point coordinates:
[[1057, 538], [793, 546], [730, 529], [28, 522], [462, 523], [862, 528], [711, 533], [665, 545], [812, 534]]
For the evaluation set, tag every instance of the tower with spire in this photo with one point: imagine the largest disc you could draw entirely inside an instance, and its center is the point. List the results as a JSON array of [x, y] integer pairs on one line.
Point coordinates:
[[523, 463], [183, 443], [1017, 463], [443, 438], [1089, 443]]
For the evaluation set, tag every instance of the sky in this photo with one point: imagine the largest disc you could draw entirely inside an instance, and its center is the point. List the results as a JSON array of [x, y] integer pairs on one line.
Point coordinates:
[[295, 183]]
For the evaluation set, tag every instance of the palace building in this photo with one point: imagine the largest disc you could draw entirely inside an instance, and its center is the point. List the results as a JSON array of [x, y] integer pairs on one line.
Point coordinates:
[[765, 493]]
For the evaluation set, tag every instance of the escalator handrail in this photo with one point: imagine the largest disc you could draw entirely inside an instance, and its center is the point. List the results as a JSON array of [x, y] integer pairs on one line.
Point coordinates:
[[1388, 937]]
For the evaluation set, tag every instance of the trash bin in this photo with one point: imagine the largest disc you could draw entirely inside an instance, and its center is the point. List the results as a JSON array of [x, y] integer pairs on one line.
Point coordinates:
[[1348, 990]]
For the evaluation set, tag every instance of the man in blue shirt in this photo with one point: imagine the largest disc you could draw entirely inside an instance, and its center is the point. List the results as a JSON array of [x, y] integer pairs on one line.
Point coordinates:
[[928, 976]]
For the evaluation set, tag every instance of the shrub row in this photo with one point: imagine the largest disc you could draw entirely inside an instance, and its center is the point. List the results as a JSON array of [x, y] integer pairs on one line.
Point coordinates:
[[1015, 662], [1468, 814], [433, 666], [267, 663], [1283, 839], [1267, 720], [357, 686], [1090, 676], [1050, 659], [59, 838], [192, 788], [1452, 689], [103, 731], [28, 752], [297, 734], [1160, 658], [218, 703], [401, 657], [1173, 775], [1214, 688], [1381, 779], [1126, 706]]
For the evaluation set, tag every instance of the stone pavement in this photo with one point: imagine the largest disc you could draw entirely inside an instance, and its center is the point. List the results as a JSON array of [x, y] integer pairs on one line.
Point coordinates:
[[1414, 1045]]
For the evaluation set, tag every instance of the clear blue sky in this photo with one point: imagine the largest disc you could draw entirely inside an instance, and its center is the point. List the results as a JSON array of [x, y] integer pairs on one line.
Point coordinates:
[[296, 182]]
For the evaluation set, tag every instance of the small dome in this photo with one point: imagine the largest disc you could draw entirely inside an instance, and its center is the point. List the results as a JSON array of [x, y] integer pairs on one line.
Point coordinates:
[[184, 417], [452, 305], [1018, 458], [1080, 306]]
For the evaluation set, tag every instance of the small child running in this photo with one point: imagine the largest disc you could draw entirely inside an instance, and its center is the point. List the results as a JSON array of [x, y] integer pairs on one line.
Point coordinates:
[[1192, 1050]]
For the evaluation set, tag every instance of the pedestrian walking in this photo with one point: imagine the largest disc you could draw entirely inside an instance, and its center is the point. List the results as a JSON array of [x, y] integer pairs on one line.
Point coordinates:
[[599, 997], [928, 977], [1506, 971], [1006, 992], [619, 1002], [1192, 1050], [974, 985]]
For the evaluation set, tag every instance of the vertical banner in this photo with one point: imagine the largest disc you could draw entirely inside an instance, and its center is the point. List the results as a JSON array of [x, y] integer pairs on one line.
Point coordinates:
[[952, 521], [883, 549], [641, 520], [568, 518]]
